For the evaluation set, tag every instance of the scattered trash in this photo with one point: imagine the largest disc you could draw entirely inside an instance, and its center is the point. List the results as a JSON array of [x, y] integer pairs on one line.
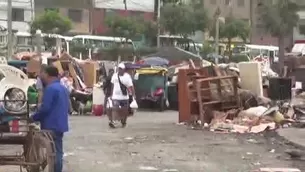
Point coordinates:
[[170, 170], [69, 154], [272, 151], [278, 170], [148, 168]]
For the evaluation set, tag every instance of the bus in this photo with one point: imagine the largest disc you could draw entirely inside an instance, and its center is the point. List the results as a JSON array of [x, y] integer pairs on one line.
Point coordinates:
[[26, 39], [102, 41], [256, 50]]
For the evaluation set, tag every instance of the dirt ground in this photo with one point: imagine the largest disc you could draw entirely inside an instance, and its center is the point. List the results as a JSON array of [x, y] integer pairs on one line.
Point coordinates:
[[155, 142]]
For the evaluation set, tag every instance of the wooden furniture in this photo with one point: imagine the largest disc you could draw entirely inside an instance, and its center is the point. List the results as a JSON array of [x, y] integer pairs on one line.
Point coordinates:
[[187, 95], [216, 93]]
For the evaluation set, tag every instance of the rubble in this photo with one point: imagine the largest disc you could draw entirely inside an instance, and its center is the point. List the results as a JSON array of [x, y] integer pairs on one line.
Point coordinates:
[[230, 98]]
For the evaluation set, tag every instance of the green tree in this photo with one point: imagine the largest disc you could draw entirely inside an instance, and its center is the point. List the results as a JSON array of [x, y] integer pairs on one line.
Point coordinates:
[[150, 32], [183, 19], [125, 27], [232, 28], [51, 22], [279, 19]]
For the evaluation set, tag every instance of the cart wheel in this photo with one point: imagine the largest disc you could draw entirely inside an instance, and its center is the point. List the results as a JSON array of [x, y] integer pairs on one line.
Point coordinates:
[[41, 150]]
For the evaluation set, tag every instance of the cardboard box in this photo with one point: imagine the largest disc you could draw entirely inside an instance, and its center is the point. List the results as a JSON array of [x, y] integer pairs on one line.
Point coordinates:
[[90, 74]]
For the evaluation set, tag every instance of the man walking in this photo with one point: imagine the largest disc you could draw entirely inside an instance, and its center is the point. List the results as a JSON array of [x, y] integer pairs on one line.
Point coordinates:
[[53, 112], [122, 87]]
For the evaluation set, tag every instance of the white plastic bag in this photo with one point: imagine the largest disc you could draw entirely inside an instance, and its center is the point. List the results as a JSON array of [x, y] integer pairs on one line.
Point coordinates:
[[134, 104], [109, 103]]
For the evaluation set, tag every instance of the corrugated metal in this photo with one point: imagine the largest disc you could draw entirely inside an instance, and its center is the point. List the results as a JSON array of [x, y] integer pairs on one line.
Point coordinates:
[[133, 5]]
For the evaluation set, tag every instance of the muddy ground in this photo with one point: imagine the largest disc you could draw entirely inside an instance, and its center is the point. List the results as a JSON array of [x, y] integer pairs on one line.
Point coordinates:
[[155, 142]]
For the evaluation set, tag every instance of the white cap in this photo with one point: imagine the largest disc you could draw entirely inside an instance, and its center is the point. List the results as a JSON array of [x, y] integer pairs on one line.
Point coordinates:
[[121, 65]]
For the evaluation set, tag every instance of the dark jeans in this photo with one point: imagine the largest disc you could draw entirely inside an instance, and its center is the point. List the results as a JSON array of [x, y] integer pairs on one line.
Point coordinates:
[[58, 137]]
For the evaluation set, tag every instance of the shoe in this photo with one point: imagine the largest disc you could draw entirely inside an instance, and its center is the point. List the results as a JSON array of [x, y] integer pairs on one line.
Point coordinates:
[[111, 125], [123, 124]]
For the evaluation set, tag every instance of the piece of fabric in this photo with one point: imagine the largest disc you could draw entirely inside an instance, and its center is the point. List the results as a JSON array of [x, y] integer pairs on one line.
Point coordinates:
[[120, 103], [117, 92], [54, 110], [58, 140]]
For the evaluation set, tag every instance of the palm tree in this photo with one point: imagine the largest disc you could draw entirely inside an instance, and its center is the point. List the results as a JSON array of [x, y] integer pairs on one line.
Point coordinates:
[[279, 18]]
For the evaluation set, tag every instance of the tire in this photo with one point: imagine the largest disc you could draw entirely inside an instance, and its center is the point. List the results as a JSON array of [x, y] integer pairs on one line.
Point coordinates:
[[44, 153]]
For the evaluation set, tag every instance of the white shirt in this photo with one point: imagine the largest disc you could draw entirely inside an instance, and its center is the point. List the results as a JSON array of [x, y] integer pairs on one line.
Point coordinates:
[[117, 92], [66, 83]]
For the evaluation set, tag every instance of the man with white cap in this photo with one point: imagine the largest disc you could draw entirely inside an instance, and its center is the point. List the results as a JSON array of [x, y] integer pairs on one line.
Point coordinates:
[[122, 87]]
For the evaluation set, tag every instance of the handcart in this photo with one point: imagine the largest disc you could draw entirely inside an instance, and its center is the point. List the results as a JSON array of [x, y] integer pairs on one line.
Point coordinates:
[[38, 153]]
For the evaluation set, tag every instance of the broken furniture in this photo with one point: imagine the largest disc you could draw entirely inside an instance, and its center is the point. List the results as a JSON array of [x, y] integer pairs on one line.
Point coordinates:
[[212, 93]]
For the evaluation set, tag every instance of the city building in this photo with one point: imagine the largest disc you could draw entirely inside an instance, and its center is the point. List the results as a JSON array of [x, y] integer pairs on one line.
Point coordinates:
[[22, 14], [77, 10], [104, 9], [238, 8], [247, 10], [296, 34]]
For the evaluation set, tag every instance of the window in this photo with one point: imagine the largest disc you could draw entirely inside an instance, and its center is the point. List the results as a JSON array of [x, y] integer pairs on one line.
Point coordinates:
[[75, 15], [241, 3], [228, 2], [18, 14], [51, 9], [213, 2]]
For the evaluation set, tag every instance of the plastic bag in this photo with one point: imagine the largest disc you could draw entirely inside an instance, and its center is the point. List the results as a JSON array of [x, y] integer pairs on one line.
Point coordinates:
[[133, 104], [109, 103]]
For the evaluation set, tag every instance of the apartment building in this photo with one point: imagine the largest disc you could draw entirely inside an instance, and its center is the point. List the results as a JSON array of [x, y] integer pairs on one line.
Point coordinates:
[[77, 10], [104, 9], [22, 14], [296, 34], [238, 8]]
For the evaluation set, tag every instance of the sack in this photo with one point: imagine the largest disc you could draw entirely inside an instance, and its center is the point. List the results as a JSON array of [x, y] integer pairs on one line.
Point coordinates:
[[134, 104], [122, 86]]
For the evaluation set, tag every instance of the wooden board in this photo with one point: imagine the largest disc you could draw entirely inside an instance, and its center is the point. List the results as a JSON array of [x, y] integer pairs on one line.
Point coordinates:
[[58, 65], [89, 69], [74, 76]]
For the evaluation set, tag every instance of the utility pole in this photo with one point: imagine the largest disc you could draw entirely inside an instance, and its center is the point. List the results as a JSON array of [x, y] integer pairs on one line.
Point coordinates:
[[125, 4], [9, 30], [217, 15], [158, 23]]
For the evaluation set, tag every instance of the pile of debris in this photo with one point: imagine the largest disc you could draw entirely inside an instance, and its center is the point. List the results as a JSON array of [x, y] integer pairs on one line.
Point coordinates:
[[229, 98]]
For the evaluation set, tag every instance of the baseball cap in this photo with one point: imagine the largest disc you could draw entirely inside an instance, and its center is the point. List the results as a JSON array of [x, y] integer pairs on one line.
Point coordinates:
[[121, 65]]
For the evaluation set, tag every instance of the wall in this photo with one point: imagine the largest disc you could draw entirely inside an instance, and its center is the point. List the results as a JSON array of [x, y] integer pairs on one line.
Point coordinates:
[[296, 33], [63, 6], [132, 5], [259, 35], [242, 12], [28, 7], [77, 27], [100, 15]]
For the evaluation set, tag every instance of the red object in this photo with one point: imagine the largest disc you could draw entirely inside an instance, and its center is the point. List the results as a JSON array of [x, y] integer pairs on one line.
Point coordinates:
[[97, 110], [158, 92], [15, 126]]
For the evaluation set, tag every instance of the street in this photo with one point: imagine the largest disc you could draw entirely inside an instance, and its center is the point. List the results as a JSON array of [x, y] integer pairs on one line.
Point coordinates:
[[155, 142]]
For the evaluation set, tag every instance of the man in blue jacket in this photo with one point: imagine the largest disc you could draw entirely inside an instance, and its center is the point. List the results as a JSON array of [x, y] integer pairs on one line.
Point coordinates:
[[53, 113]]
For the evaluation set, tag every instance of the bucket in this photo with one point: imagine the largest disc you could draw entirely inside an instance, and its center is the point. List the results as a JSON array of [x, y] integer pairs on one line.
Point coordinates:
[[97, 110]]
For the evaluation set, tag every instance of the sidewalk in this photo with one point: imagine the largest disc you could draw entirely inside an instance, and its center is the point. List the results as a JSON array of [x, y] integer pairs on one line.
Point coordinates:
[[294, 135]]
